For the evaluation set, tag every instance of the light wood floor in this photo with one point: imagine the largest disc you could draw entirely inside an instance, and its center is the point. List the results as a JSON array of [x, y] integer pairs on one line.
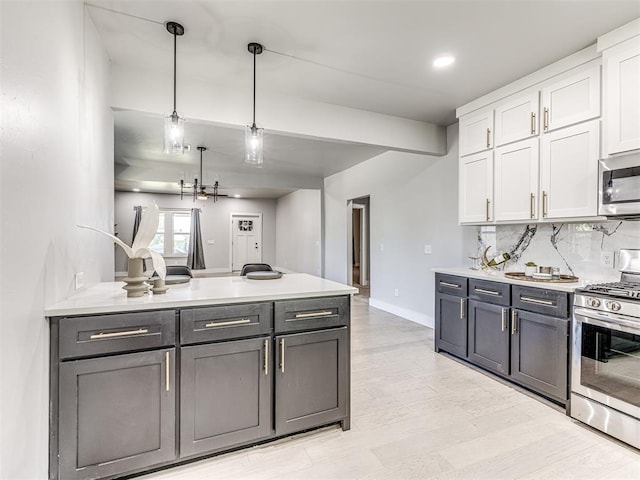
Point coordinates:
[[421, 415]]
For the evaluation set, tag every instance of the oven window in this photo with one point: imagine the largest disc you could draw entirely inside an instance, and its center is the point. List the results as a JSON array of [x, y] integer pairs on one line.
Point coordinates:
[[610, 363], [621, 186]]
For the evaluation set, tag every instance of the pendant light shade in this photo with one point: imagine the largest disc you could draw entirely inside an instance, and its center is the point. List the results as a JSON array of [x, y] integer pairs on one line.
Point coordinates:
[[253, 135], [173, 124]]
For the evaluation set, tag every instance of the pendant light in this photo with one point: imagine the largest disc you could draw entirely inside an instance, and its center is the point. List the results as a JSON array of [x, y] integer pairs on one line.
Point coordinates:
[[253, 135], [173, 124]]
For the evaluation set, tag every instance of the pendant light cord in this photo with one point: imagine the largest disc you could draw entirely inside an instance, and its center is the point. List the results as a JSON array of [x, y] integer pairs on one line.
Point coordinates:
[[254, 89], [175, 54]]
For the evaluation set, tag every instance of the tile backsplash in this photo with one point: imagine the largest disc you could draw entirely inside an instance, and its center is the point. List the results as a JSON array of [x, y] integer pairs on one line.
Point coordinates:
[[573, 247]]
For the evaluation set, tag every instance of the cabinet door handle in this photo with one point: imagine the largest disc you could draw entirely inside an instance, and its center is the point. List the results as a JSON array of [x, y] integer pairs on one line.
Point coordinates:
[[313, 314], [452, 285], [139, 331], [487, 208], [266, 356], [514, 320], [226, 324], [533, 123], [504, 319], [488, 138], [544, 203], [282, 355], [488, 292], [545, 120], [532, 205], [537, 301], [462, 308], [167, 371]]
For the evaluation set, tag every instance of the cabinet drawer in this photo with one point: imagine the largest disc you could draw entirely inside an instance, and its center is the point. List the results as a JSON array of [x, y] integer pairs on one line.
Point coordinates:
[[102, 334], [209, 324], [539, 300], [491, 292], [311, 314], [451, 285]]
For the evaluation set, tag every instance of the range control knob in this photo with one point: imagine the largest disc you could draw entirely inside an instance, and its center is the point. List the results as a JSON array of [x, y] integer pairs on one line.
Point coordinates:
[[613, 306], [593, 302]]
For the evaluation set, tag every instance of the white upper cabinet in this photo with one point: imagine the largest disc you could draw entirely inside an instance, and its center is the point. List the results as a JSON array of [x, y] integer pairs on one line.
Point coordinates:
[[517, 118], [476, 188], [516, 181], [622, 97], [476, 132], [572, 99], [569, 171]]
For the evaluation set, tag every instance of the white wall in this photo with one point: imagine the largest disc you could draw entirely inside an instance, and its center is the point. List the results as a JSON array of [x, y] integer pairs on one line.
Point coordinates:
[[298, 232], [413, 201], [56, 171], [215, 224]]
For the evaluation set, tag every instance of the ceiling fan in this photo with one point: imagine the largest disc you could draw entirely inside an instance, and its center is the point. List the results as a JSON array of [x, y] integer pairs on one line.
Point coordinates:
[[200, 189]]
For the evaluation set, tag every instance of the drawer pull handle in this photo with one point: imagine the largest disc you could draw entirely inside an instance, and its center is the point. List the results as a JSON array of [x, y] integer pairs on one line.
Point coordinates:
[[167, 370], [532, 208], [282, 355], [226, 324], [537, 301], [488, 138], [462, 308], [488, 292], [313, 314], [514, 319], [533, 123], [545, 206], [139, 331], [546, 118], [266, 357], [504, 319], [452, 285]]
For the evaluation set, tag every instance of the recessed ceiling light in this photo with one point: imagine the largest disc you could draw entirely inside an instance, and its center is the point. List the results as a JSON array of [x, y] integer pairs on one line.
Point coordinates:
[[236, 196], [136, 189], [444, 61]]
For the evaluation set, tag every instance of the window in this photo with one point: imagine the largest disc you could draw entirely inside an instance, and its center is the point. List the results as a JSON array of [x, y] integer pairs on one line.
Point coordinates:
[[172, 237]]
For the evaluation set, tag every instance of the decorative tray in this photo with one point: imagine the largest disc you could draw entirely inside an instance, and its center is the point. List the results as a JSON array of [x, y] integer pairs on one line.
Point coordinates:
[[522, 276]]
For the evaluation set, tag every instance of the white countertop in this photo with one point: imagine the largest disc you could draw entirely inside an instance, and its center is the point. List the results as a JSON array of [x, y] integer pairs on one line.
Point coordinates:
[[496, 276], [109, 297]]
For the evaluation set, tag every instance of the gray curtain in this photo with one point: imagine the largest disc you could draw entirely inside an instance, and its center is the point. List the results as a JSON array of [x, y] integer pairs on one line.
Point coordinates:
[[136, 221], [195, 255]]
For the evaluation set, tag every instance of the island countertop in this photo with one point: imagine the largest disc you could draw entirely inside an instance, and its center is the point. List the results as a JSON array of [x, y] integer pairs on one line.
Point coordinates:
[[109, 297]]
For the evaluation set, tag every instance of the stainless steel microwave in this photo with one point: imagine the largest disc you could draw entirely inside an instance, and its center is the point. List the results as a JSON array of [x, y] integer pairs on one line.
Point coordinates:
[[619, 185]]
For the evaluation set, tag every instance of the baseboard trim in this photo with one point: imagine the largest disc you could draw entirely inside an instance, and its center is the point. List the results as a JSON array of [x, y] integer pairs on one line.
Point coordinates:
[[405, 313]]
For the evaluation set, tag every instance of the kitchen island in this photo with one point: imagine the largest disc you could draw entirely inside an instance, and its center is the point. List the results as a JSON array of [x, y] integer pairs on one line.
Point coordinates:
[[212, 365]]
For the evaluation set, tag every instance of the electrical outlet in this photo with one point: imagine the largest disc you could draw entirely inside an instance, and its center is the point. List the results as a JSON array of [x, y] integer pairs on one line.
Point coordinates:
[[396, 292], [427, 249], [607, 259], [211, 242], [78, 280], [382, 247]]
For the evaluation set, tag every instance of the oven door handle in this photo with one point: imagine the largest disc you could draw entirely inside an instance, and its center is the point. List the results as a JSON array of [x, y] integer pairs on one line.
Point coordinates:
[[606, 320]]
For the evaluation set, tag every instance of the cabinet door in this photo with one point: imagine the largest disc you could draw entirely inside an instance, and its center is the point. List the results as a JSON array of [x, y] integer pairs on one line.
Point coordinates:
[[516, 181], [117, 414], [622, 97], [517, 118], [451, 324], [572, 99], [539, 353], [569, 171], [489, 336], [311, 379], [225, 395], [476, 132], [476, 188]]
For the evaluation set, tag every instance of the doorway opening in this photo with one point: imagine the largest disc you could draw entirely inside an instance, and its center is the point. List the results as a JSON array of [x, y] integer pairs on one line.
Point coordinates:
[[358, 241], [246, 239]]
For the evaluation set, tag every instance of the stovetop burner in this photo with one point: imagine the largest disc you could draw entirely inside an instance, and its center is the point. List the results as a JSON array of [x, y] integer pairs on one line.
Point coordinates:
[[615, 289]]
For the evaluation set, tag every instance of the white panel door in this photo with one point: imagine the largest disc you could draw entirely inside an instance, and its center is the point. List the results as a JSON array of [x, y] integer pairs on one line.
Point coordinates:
[[476, 132], [476, 188], [516, 181], [622, 97], [569, 171], [246, 240], [517, 118], [572, 99]]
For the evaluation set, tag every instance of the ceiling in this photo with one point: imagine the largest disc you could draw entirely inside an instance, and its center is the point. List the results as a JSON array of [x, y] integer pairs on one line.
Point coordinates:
[[369, 55]]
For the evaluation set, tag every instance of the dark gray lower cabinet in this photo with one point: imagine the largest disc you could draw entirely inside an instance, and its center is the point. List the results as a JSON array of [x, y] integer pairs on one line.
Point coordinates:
[[489, 336], [539, 353], [225, 395], [116, 414], [451, 324], [311, 379]]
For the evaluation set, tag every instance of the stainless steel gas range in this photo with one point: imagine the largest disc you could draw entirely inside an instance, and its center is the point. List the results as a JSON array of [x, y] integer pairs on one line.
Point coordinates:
[[605, 354]]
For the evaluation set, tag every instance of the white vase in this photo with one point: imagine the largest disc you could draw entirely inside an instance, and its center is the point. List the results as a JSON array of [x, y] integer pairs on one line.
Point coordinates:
[[529, 271], [135, 279]]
